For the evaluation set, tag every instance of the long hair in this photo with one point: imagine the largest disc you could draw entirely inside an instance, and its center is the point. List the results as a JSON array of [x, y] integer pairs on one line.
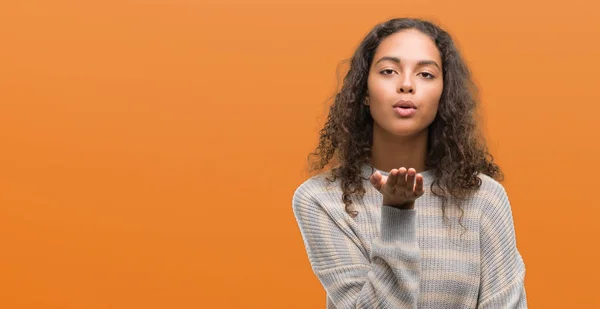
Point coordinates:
[[456, 149]]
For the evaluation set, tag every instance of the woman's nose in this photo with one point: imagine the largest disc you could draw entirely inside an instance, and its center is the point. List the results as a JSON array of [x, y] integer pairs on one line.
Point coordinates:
[[406, 86]]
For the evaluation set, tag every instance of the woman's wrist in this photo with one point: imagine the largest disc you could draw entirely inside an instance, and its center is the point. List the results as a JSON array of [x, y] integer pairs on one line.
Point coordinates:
[[405, 205]]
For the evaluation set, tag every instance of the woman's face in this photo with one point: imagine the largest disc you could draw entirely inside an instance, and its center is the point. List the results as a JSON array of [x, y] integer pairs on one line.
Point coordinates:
[[406, 71]]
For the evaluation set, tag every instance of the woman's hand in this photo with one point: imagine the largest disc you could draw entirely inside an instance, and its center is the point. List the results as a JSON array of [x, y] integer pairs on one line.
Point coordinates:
[[399, 189]]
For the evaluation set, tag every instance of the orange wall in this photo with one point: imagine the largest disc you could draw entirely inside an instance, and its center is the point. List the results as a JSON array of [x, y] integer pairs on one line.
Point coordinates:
[[150, 149]]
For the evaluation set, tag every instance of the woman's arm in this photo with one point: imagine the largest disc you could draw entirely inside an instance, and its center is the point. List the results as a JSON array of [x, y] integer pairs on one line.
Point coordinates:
[[502, 268], [390, 279]]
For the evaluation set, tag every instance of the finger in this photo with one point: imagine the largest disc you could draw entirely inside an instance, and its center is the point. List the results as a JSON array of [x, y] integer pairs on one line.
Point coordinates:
[[391, 180], [419, 189], [401, 183], [410, 180], [376, 180]]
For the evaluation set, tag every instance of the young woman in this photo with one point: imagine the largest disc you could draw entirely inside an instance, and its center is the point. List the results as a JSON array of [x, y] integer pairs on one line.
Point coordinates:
[[411, 213]]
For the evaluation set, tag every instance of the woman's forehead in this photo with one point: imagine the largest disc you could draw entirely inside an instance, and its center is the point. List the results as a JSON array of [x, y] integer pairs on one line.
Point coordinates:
[[407, 45]]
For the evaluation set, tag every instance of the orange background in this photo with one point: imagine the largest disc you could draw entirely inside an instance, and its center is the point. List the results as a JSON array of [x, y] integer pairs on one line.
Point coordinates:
[[150, 149]]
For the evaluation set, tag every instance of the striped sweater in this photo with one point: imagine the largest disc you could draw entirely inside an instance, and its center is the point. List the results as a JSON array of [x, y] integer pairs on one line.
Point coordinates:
[[392, 258]]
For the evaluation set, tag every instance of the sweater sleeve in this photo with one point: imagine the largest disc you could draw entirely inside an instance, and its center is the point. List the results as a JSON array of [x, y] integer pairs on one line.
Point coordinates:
[[389, 279], [502, 268]]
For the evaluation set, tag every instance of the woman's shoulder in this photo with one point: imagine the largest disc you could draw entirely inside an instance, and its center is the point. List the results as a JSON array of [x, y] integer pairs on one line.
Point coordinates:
[[320, 194], [489, 184], [491, 195], [323, 183]]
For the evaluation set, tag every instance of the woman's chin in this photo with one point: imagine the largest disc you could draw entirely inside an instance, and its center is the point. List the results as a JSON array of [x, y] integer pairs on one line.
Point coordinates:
[[409, 131], [401, 129]]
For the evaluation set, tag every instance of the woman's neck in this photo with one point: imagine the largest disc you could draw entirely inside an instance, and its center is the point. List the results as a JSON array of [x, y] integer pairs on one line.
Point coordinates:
[[389, 152]]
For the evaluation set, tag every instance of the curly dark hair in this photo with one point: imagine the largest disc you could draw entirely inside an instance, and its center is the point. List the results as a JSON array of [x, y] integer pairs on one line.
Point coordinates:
[[456, 149]]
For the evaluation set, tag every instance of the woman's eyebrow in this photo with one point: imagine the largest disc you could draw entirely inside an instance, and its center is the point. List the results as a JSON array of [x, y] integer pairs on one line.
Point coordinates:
[[397, 60]]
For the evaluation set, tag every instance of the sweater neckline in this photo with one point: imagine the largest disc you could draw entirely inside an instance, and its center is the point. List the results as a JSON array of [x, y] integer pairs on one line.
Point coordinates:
[[367, 170]]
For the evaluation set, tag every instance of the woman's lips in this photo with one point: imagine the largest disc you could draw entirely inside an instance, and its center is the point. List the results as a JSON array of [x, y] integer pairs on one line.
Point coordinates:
[[405, 111]]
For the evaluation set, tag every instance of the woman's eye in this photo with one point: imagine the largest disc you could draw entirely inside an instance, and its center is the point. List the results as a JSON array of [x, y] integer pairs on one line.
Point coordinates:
[[427, 75], [387, 70]]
